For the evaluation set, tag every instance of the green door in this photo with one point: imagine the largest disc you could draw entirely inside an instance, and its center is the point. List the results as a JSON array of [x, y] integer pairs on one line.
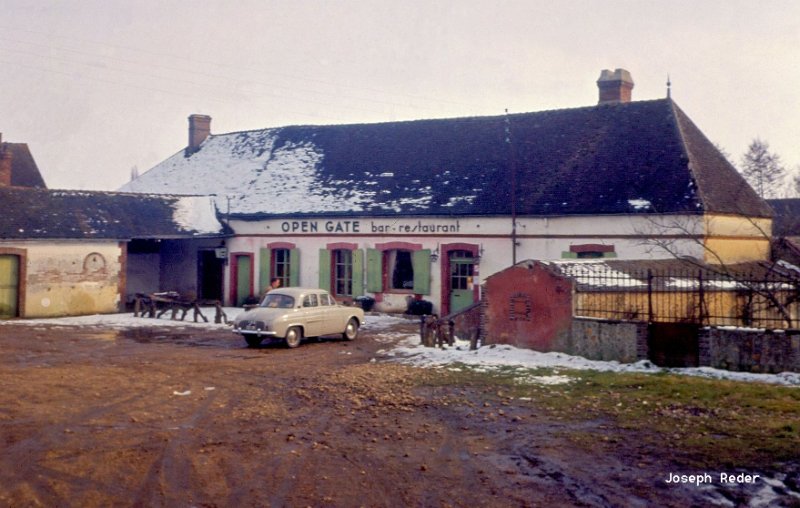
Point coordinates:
[[9, 286], [244, 272], [462, 270]]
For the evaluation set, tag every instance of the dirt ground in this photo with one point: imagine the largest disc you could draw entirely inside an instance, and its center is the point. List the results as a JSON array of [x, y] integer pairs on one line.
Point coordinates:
[[191, 417]]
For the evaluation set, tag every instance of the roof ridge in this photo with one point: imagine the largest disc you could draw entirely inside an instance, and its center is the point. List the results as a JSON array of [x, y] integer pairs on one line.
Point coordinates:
[[441, 119], [674, 109]]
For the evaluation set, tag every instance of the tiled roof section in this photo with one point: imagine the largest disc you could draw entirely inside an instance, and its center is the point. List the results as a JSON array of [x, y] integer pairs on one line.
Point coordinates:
[[721, 187], [24, 171], [787, 217], [37, 213], [610, 159]]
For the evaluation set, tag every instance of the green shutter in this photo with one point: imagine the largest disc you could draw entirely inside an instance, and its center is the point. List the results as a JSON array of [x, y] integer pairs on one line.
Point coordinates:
[[325, 269], [358, 272], [294, 267], [374, 271], [264, 266], [422, 271]]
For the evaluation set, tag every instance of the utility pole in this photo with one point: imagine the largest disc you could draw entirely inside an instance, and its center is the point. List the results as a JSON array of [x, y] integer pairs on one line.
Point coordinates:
[[513, 164]]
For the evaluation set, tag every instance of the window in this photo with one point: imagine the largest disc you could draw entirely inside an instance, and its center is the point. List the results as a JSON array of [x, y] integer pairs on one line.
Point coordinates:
[[310, 301], [343, 272], [278, 260], [462, 269], [400, 269], [589, 251], [278, 301], [281, 266]]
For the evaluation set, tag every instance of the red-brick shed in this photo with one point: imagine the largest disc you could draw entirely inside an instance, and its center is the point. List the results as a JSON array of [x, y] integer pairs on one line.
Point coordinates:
[[530, 306]]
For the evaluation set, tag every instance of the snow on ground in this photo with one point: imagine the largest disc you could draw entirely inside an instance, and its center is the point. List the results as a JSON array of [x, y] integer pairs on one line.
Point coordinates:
[[405, 347], [409, 350], [125, 321]]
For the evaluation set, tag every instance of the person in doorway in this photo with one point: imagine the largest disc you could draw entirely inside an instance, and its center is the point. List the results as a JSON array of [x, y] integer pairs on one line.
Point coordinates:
[[275, 284]]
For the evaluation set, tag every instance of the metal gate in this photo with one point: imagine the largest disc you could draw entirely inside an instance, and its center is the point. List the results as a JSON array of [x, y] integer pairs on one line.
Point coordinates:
[[674, 344]]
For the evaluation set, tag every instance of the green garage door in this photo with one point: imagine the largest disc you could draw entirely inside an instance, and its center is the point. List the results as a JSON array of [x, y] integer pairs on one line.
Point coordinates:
[[9, 286]]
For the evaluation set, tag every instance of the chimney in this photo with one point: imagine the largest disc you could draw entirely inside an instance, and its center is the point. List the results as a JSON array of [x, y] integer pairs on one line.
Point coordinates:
[[199, 129], [615, 87], [5, 164]]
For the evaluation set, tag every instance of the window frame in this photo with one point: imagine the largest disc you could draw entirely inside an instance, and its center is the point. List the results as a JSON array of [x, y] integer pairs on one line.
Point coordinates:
[[285, 264], [342, 259]]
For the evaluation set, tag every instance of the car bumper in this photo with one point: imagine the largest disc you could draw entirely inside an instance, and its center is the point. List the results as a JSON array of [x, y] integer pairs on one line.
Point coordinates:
[[255, 333]]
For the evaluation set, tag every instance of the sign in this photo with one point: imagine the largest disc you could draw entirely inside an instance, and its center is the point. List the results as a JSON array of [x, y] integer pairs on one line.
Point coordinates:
[[418, 226]]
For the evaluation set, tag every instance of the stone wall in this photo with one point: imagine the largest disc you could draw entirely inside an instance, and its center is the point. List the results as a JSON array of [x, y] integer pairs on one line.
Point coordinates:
[[750, 350], [598, 339]]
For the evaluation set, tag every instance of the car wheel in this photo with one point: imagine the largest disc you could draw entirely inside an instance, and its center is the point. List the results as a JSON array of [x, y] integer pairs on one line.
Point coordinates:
[[253, 341], [293, 336], [351, 330]]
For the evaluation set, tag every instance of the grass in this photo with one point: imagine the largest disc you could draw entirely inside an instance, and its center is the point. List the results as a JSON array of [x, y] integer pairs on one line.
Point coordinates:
[[705, 423]]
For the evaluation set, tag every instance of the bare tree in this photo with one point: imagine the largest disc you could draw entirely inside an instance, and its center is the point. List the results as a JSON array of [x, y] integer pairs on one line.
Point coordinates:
[[777, 286], [763, 169]]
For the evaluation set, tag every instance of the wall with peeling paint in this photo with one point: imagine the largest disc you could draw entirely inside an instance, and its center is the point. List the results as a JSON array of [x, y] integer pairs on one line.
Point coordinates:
[[71, 277]]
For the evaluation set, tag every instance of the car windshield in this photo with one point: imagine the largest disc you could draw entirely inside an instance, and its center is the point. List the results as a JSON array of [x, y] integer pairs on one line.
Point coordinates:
[[278, 301]]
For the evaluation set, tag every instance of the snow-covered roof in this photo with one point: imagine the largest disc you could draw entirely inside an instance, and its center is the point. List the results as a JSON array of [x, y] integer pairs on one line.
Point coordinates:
[[671, 274], [638, 157], [38, 213]]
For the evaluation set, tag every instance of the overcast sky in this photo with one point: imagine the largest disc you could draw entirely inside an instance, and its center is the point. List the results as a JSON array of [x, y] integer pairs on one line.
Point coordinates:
[[96, 87]]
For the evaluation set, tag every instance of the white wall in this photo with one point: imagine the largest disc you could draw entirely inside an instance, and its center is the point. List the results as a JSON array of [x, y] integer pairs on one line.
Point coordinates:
[[538, 238]]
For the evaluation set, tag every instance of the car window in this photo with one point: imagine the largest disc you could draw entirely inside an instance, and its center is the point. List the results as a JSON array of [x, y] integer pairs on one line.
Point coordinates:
[[323, 299], [331, 300], [310, 301], [273, 300]]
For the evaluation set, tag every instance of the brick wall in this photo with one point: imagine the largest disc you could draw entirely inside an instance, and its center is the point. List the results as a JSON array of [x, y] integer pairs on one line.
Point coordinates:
[[529, 307]]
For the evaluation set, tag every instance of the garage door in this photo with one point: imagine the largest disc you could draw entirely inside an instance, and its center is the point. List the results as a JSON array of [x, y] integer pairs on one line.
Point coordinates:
[[9, 286]]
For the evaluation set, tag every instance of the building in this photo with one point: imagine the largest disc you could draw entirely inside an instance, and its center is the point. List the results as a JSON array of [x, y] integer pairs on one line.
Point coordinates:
[[675, 312], [76, 252], [426, 209]]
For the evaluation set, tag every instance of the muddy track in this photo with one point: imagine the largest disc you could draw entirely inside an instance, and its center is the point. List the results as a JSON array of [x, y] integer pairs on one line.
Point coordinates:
[[148, 417]]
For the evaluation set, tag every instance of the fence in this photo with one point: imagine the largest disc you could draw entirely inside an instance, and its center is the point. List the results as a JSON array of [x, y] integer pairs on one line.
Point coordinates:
[[700, 296]]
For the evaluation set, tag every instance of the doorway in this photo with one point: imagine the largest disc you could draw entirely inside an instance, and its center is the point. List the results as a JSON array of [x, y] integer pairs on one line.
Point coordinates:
[[242, 280], [210, 275], [462, 273], [9, 286]]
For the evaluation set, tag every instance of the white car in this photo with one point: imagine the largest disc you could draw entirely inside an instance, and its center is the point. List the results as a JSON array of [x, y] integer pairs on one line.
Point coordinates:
[[293, 313]]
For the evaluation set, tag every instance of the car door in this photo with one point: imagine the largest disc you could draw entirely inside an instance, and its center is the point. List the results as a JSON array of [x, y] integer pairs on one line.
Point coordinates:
[[312, 315], [330, 319]]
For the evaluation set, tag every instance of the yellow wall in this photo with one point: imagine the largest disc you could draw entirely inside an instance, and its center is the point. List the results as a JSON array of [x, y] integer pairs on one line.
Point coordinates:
[[723, 308], [72, 278], [736, 239]]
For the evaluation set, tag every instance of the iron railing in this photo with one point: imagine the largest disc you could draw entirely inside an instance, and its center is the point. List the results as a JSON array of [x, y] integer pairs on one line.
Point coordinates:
[[767, 300]]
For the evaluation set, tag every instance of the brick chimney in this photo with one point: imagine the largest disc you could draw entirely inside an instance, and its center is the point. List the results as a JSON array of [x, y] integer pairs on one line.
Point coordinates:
[[615, 87], [5, 164], [199, 129]]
